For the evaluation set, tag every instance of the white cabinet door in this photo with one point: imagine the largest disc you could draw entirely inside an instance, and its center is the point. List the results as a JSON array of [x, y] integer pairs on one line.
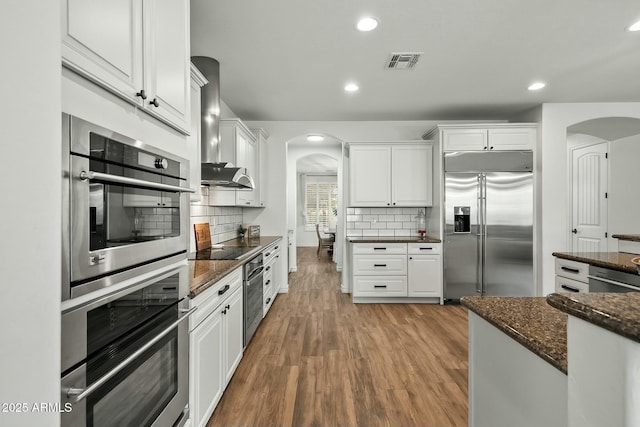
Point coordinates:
[[166, 52], [465, 139], [248, 149], [205, 372], [232, 333], [260, 178], [512, 139], [424, 276], [103, 41], [193, 141], [412, 175], [370, 175]]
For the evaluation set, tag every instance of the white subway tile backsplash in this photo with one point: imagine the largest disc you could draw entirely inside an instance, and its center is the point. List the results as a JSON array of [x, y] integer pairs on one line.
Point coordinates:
[[410, 211], [369, 233], [379, 225], [354, 218], [351, 211], [379, 210], [199, 210], [408, 225], [362, 211], [354, 233], [370, 218], [394, 225], [386, 217], [362, 225], [386, 233]]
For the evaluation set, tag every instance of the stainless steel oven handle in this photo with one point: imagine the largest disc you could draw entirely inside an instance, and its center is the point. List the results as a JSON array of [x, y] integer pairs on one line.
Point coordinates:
[[612, 282], [106, 177], [77, 394]]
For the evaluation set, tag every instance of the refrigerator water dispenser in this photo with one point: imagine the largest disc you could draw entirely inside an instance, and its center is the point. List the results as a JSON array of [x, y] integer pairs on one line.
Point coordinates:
[[462, 219]]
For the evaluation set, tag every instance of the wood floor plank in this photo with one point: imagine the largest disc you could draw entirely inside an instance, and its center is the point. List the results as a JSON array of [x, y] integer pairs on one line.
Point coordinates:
[[317, 359]]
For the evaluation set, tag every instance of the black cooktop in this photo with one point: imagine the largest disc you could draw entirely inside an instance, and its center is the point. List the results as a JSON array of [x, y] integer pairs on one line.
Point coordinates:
[[231, 252]]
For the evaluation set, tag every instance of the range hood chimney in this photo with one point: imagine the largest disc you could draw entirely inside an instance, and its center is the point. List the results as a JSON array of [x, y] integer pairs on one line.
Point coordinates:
[[215, 171]]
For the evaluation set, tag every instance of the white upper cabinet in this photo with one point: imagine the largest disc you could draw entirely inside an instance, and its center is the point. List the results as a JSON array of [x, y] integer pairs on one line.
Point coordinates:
[[193, 141], [411, 175], [369, 175], [238, 146], [136, 49], [497, 137], [390, 174], [260, 177]]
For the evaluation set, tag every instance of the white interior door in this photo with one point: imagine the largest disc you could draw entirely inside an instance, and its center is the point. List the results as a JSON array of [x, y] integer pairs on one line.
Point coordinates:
[[589, 200]]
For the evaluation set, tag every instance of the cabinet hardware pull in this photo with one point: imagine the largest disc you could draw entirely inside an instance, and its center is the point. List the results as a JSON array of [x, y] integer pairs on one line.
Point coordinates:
[[268, 268], [426, 249], [155, 102], [267, 282], [569, 288], [224, 311], [574, 231], [570, 270], [223, 290], [228, 307], [268, 300], [379, 265], [379, 249], [142, 94], [379, 286]]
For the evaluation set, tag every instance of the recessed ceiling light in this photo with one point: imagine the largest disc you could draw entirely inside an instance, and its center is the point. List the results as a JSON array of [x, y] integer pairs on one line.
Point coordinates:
[[367, 23], [351, 87], [536, 86], [315, 138], [634, 27]]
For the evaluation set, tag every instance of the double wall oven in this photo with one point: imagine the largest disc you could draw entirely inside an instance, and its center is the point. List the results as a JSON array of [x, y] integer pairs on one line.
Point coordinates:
[[124, 280]]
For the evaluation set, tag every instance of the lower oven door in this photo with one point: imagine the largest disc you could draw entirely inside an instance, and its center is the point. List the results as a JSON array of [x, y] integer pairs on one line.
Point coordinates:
[[253, 300], [140, 381]]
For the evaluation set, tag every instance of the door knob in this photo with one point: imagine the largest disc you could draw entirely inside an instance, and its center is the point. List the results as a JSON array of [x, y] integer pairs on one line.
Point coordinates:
[[574, 231]]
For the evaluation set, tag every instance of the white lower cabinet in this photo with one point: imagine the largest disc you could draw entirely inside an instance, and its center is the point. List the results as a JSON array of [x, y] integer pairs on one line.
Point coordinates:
[[215, 344], [424, 270], [571, 276], [271, 277], [396, 270]]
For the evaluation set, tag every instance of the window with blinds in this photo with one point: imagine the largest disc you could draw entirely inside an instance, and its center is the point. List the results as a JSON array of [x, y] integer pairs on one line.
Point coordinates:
[[321, 200]]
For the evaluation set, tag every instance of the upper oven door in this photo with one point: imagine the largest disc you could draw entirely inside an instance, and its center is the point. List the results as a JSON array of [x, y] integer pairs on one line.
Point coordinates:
[[127, 206]]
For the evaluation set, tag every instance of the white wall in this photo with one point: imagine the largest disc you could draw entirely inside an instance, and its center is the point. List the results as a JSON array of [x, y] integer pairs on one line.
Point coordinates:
[[555, 206], [30, 182]]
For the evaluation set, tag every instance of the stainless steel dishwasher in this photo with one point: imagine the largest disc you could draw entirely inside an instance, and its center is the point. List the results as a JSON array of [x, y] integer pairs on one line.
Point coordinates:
[[252, 294], [607, 280]]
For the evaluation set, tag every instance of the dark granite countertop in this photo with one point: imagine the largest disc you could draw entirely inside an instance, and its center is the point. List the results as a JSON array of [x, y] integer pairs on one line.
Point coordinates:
[[616, 312], [530, 321], [204, 273], [629, 237], [620, 261], [398, 239]]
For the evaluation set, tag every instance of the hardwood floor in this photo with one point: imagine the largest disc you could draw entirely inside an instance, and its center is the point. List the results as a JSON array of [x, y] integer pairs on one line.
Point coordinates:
[[317, 359]]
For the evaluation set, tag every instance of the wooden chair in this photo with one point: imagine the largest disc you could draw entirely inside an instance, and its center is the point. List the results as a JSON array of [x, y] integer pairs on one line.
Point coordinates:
[[323, 242]]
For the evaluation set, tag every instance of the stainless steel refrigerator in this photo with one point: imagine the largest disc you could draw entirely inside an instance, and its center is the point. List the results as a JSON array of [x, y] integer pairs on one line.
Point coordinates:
[[488, 224]]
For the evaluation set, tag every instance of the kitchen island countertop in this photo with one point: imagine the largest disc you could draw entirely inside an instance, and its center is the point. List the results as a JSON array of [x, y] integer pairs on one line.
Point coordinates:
[[530, 321], [616, 312]]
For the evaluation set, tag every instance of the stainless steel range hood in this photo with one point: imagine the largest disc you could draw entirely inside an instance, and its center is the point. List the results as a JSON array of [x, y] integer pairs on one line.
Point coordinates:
[[215, 171]]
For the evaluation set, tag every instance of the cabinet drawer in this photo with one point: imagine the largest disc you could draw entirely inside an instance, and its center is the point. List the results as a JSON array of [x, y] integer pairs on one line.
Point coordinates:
[[384, 265], [271, 251], [569, 285], [208, 300], [572, 269], [375, 286], [380, 248], [424, 248]]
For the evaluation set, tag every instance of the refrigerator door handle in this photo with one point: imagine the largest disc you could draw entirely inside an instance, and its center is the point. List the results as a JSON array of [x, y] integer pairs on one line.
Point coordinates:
[[484, 232], [480, 238]]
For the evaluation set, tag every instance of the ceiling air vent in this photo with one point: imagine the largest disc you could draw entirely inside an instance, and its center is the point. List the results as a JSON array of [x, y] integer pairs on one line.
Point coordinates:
[[403, 60]]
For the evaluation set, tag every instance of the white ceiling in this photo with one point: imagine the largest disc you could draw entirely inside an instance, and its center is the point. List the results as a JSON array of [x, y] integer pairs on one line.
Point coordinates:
[[289, 59]]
